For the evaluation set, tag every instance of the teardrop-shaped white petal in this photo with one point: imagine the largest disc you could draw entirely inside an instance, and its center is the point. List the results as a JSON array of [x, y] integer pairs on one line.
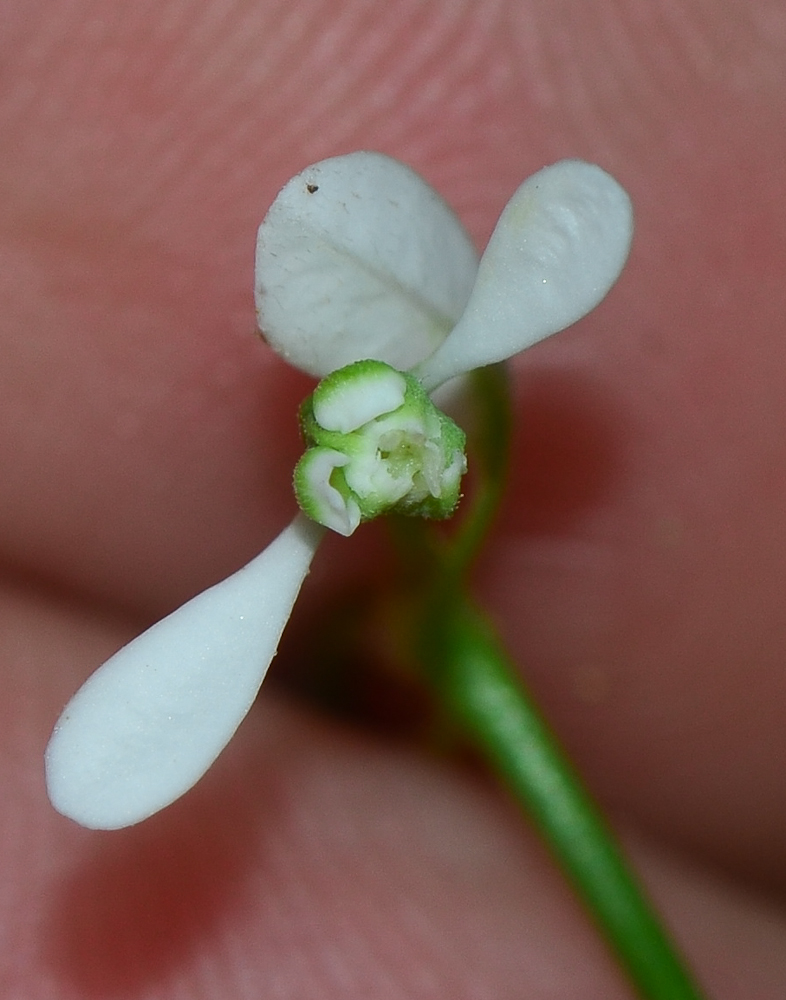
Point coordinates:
[[359, 258], [557, 249], [148, 723]]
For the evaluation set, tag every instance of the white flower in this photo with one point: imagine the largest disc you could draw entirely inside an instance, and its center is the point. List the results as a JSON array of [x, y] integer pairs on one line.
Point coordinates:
[[357, 259]]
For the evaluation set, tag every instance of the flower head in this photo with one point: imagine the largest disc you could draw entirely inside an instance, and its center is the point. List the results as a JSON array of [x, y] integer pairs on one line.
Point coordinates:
[[366, 279], [377, 444]]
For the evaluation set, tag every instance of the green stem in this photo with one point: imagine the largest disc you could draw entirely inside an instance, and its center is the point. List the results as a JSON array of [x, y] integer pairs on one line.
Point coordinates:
[[491, 442], [479, 685], [480, 688]]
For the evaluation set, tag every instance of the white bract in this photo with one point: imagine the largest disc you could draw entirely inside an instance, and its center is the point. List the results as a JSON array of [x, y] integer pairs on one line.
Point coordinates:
[[357, 260]]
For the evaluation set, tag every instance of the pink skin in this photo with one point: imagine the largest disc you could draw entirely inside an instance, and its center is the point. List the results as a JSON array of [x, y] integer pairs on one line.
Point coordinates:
[[147, 438]]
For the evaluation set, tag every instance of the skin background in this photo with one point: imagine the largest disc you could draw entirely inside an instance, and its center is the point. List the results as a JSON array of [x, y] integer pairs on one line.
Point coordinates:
[[147, 440]]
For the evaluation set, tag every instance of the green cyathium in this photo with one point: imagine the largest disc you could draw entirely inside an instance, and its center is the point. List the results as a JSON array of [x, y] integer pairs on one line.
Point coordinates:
[[376, 444]]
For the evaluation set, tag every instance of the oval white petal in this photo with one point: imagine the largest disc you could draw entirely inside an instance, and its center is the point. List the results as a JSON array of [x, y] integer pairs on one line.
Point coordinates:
[[149, 722], [557, 249], [359, 258]]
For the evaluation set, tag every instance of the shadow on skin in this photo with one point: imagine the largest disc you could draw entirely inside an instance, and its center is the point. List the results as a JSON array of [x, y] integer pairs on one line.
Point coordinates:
[[146, 898], [568, 451]]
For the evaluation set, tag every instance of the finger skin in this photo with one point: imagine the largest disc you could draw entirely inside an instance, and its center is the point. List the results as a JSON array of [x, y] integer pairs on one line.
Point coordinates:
[[146, 437]]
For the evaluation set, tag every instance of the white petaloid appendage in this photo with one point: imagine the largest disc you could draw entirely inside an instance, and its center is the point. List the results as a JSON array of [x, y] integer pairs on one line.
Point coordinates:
[[148, 723], [359, 258], [560, 244]]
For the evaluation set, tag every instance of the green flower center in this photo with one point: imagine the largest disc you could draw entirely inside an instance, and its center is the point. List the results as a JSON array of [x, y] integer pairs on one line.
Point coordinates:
[[376, 443]]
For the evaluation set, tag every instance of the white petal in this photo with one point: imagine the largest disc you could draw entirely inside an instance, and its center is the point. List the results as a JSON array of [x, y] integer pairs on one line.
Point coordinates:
[[149, 722], [359, 258], [558, 247]]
